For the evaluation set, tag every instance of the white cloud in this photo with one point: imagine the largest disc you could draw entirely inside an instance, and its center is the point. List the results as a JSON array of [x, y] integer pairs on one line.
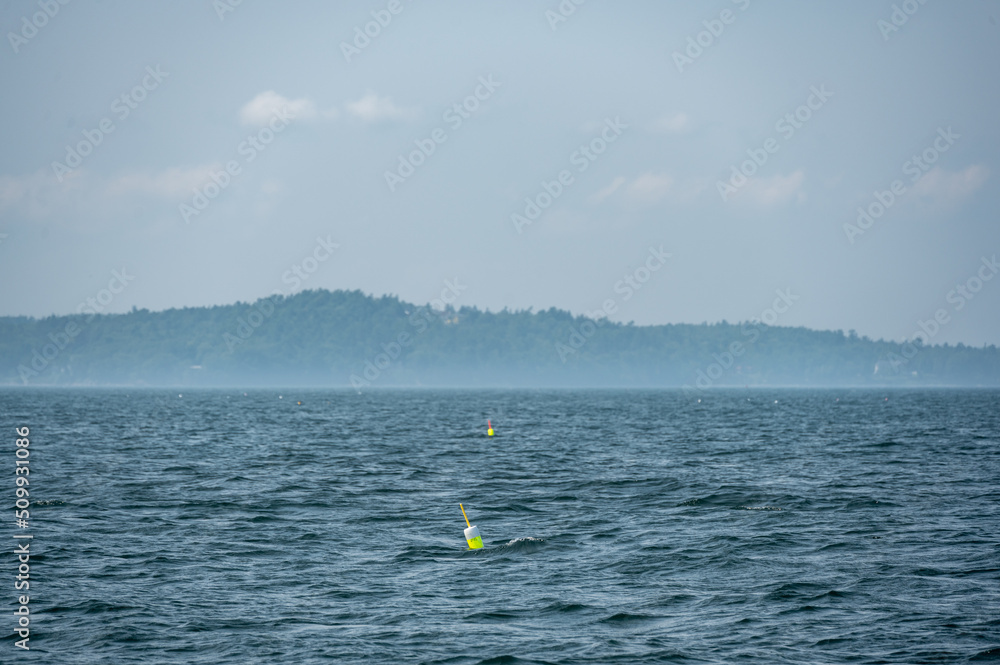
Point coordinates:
[[650, 188], [947, 186], [272, 186], [774, 190], [33, 193], [259, 110], [83, 193], [12, 190], [671, 124], [609, 190], [372, 108], [174, 183]]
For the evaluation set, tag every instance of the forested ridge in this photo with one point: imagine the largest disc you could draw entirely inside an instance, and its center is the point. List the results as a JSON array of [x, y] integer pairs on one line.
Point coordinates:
[[345, 338]]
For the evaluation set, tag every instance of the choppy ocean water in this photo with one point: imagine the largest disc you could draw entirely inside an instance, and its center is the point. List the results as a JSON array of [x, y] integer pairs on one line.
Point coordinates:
[[770, 526]]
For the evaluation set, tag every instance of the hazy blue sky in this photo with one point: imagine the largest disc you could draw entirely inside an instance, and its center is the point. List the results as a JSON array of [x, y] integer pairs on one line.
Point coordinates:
[[202, 85]]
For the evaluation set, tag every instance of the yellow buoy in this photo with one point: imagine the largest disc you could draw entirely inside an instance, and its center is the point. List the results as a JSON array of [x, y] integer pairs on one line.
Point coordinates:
[[489, 428], [472, 533]]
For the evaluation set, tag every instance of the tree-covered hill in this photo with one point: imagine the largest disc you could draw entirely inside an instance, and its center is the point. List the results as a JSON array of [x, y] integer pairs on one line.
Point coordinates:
[[348, 338]]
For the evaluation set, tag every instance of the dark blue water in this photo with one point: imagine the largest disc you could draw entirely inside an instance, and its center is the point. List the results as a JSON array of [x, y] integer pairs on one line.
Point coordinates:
[[620, 527]]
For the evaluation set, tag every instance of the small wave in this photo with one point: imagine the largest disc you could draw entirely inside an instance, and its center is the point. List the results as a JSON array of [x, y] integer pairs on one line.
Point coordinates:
[[626, 617], [797, 591], [526, 544], [975, 571], [492, 616], [504, 660], [561, 607], [758, 508], [989, 654], [424, 553], [516, 508]]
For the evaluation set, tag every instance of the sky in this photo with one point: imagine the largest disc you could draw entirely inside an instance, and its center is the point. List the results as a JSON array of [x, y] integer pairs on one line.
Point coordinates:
[[825, 164]]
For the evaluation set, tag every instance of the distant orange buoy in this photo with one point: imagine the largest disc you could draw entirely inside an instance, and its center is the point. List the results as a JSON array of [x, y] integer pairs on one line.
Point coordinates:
[[489, 428]]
